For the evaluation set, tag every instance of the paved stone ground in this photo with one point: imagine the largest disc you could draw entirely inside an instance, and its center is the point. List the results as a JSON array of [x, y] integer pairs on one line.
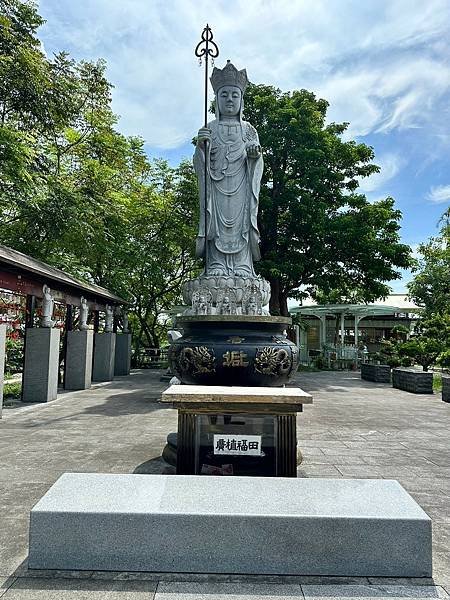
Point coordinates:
[[353, 429]]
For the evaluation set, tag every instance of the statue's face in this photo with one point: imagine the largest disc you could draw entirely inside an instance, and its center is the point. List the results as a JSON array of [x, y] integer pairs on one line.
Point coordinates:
[[229, 98]]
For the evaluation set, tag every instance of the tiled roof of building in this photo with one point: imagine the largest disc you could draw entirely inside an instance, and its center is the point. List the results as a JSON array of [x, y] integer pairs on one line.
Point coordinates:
[[30, 265]]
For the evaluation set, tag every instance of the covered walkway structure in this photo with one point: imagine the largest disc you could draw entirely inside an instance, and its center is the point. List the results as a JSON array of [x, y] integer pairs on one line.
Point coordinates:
[[337, 328], [67, 344]]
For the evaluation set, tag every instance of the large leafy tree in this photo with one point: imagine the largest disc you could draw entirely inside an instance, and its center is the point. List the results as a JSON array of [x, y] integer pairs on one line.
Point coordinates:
[[161, 249], [47, 108], [430, 287], [78, 194], [318, 234], [430, 341]]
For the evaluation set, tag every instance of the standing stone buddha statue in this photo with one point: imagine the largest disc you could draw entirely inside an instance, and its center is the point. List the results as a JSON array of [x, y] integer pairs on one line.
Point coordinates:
[[234, 167]]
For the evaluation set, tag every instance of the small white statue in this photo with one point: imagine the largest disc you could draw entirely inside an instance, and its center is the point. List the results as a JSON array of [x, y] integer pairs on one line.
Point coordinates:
[[47, 308], [173, 335], [109, 319], [226, 302], [201, 302], [202, 308], [84, 312], [253, 302], [124, 321]]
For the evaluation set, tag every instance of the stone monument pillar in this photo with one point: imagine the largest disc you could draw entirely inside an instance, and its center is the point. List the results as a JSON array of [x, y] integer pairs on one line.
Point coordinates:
[[2, 362], [104, 350], [303, 346], [80, 345], [122, 361], [41, 364], [40, 374]]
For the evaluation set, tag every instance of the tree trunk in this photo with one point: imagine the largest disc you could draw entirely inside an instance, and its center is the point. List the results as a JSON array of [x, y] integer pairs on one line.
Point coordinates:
[[283, 305], [274, 304], [278, 299]]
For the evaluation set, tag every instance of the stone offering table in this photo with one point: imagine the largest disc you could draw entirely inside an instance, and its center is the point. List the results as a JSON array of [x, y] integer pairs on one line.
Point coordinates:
[[226, 430]]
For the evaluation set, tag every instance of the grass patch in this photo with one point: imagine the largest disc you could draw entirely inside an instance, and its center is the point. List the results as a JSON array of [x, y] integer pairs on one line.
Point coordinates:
[[308, 368], [437, 382], [11, 393]]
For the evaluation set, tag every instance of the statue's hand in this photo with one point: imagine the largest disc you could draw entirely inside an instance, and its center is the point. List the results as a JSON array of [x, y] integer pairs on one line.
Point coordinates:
[[253, 150], [204, 135]]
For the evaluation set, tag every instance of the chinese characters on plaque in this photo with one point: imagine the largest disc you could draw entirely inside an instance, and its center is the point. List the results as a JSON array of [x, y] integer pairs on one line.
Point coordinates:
[[237, 445]]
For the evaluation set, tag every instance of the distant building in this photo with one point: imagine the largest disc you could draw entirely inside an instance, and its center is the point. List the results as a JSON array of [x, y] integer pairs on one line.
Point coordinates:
[[352, 326]]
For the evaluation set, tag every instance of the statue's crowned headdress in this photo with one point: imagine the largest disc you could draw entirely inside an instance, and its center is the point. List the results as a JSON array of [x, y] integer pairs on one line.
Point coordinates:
[[229, 75]]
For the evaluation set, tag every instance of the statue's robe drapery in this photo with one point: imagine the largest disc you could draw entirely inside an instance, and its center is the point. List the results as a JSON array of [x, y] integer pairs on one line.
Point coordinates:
[[233, 185]]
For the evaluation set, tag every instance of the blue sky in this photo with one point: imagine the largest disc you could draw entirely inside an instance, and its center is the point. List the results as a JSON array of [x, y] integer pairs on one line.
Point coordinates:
[[384, 66]]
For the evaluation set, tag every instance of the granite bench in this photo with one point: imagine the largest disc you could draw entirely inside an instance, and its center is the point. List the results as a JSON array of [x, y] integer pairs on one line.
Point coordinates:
[[195, 524]]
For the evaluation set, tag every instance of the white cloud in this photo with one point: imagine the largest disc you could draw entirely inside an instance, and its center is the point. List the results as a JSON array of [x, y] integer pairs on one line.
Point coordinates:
[[383, 65], [395, 93], [390, 164], [439, 194]]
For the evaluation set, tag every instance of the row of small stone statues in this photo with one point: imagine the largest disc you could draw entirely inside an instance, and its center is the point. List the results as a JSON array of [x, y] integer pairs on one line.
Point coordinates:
[[202, 303], [48, 305]]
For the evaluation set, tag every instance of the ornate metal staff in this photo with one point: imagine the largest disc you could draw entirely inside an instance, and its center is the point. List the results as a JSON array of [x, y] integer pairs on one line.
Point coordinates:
[[206, 48]]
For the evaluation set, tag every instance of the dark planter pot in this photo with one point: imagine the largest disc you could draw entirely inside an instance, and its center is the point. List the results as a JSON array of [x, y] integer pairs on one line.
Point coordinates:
[[410, 380], [233, 350], [377, 373], [446, 389]]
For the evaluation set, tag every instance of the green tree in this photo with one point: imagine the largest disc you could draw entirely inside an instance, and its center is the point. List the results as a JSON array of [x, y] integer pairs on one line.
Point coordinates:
[[77, 193], [47, 108], [430, 287], [430, 341], [156, 253], [318, 234]]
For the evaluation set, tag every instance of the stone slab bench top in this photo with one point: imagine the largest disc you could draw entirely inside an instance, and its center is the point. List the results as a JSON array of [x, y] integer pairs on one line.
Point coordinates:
[[200, 495], [231, 394], [195, 524]]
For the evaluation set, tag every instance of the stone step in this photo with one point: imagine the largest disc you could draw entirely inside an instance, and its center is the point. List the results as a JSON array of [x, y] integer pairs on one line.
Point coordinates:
[[195, 524]]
